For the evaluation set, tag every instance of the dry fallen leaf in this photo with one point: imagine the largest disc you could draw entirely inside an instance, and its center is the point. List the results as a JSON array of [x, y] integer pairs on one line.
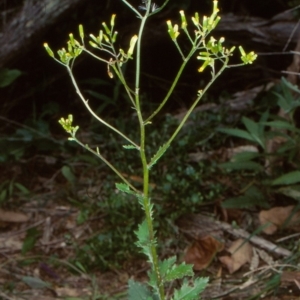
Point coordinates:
[[290, 276], [277, 217], [10, 243], [241, 253], [202, 251], [10, 216], [71, 292]]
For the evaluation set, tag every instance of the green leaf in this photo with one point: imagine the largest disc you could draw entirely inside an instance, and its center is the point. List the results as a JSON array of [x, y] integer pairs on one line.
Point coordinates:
[[187, 292], [129, 147], [283, 103], [125, 188], [290, 85], [158, 155], [255, 129], [30, 240], [143, 241], [291, 191], [68, 174], [252, 197], [80, 267], [166, 265], [21, 188], [281, 125], [289, 178], [142, 233], [179, 271], [138, 291], [237, 132], [245, 156], [242, 165], [35, 283], [8, 76]]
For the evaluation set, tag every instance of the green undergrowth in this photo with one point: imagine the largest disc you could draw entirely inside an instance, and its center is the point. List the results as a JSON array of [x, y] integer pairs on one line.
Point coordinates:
[[188, 186]]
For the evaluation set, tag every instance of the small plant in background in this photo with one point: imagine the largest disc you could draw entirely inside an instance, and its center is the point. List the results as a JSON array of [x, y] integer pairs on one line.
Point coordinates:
[[275, 138], [213, 55]]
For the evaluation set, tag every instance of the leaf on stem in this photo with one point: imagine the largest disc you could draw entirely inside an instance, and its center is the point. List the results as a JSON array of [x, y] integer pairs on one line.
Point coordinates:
[[138, 291], [144, 240], [129, 147], [125, 189], [187, 292], [179, 271], [158, 155]]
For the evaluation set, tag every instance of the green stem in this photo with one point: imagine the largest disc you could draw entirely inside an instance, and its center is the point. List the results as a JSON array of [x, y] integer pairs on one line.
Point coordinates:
[[95, 115], [178, 75], [196, 102], [146, 199]]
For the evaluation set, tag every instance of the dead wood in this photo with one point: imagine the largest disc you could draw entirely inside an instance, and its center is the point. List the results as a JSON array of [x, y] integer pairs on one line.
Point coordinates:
[[278, 31], [32, 19], [200, 225]]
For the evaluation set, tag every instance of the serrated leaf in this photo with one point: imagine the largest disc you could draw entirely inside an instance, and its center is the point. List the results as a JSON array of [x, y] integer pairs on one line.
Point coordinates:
[[166, 265], [142, 233], [187, 292], [143, 241], [125, 188], [158, 155], [35, 283], [179, 271], [138, 291], [129, 147], [289, 178]]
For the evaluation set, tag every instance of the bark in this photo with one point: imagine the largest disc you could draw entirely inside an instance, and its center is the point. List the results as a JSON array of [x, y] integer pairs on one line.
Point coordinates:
[[30, 22], [19, 34], [278, 31]]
